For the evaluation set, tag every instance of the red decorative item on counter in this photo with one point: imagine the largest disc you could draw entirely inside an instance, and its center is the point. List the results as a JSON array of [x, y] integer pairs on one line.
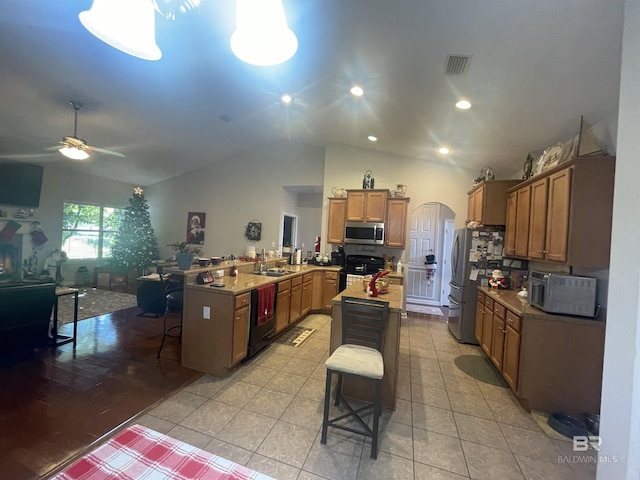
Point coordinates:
[[373, 288]]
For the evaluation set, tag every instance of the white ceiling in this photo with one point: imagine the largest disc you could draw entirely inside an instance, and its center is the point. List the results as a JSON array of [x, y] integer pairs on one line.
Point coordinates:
[[536, 66]]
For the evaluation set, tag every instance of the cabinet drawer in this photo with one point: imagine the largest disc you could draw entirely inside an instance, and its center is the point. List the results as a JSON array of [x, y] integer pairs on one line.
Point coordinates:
[[513, 320], [481, 297], [307, 277], [242, 300], [498, 310], [296, 281], [330, 275], [284, 285], [488, 303]]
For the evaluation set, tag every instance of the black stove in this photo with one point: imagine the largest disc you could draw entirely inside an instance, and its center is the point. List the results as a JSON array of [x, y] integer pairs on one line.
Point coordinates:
[[363, 265]]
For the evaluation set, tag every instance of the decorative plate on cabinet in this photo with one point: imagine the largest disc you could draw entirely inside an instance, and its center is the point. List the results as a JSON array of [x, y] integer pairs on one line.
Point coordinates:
[[549, 158]]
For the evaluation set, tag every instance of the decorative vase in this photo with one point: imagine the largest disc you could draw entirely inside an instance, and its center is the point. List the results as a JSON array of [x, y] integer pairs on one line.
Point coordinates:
[[401, 190], [184, 260]]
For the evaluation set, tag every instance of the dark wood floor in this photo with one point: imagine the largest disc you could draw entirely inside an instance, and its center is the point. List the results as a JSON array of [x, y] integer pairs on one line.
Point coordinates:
[[55, 402]]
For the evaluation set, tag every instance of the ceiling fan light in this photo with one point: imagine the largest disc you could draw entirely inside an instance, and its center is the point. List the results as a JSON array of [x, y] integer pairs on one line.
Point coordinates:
[[128, 25], [74, 153], [262, 36]]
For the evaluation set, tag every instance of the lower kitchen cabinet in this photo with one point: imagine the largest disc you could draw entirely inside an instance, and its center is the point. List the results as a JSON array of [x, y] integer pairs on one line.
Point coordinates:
[[295, 308], [552, 363], [240, 335], [479, 317], [283, 305], [329, 289], [307, 294]]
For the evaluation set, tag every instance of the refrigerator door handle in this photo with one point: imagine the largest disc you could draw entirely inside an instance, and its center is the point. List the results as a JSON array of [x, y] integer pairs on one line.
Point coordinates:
[[453, 285], [454, 301], [455, 254]]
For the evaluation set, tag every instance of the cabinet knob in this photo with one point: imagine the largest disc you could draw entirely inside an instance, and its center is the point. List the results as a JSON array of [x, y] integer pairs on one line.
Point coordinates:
[[237, 318]]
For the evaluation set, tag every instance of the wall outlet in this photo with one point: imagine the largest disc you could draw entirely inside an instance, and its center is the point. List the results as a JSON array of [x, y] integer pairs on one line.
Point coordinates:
[[219, 273], [206, 313]]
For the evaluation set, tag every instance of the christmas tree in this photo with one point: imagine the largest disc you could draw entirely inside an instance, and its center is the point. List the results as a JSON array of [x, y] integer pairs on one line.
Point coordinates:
[[135, 245]]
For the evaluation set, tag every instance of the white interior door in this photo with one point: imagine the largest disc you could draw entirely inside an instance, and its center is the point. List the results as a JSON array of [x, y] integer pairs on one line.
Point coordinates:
[[445, 268], [423, 241]]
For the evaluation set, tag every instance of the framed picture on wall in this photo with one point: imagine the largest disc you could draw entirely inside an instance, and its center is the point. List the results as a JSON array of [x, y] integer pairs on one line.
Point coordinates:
[[195, 228]]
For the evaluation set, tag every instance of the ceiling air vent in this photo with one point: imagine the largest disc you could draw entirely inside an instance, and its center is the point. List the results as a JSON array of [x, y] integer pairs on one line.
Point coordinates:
[[456, 64]]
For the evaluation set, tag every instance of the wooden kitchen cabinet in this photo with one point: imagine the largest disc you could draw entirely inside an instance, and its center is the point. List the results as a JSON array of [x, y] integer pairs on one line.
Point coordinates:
[[570, 213], [487, 201], [283, 305], [511, 356], [307, 294], [329, 289], [295, 307], [486, 342], [366, 205], [517, 229], [479, 317], [396, 222], [240, 335], [497, 339], [337, 215], [318, 290], [510, 228]]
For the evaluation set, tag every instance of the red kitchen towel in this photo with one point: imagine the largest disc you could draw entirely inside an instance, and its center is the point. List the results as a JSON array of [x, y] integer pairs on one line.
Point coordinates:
[[266, 299]]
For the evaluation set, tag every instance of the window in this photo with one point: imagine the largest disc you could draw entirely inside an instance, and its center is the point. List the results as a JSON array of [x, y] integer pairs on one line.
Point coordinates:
[[88, 230]]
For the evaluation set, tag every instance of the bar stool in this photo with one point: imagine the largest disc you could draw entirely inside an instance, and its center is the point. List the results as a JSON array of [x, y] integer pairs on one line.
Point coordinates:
[[359, 355], [174, 305]]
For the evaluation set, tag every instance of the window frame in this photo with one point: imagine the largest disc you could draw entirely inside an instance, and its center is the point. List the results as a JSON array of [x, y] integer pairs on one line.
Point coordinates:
[[100, 229]]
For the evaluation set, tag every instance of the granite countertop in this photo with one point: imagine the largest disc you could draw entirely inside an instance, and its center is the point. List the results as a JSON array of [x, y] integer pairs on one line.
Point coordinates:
[[245, 282], [394, 297], [520, 306]]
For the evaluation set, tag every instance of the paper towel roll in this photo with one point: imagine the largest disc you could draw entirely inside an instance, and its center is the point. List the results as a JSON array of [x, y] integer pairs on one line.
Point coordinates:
[[298, 257]]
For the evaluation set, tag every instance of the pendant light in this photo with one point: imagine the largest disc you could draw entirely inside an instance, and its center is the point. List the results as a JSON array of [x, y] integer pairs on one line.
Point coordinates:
[[128, 25], [262, 36]]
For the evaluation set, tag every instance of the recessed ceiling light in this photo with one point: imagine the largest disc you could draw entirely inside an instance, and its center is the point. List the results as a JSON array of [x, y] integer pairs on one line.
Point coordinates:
[[372, 138], [463, 104], [443, 150], [357, 91], [286, 98]]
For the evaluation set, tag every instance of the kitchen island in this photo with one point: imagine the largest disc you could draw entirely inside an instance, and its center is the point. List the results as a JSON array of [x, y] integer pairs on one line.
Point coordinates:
[[217, 320], [553, 363], [359, 389]]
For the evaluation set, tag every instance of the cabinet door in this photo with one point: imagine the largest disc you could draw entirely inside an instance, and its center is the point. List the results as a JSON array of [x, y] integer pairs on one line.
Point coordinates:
[[559, 200], [318, 282], [283, 303], [329, 289], [240, 335], [487, 331], [355, 206], [295, 307], [511, 357], [396, 224], [478, 204], [523, 208], [337, 214], [497, 341], [307, 298], [376, 206], [479, 318], [510, 235], [537, 219]]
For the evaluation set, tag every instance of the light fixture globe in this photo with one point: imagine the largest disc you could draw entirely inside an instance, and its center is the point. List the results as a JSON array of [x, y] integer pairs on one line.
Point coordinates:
[[262, 36], [128, 25], [74, 153]]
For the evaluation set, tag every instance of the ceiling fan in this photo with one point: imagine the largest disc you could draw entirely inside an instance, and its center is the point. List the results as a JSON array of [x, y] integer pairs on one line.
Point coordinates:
[[77, 148]]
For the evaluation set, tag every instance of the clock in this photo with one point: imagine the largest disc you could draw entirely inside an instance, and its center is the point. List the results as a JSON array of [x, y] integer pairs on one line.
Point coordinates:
[[528, 167]]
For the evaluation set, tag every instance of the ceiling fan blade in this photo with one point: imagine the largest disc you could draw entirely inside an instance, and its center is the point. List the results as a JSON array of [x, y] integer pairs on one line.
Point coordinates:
[[107, 152]]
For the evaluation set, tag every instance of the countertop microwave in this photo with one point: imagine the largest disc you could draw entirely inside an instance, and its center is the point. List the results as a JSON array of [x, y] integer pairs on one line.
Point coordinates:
[[562, 293], [364, 233]]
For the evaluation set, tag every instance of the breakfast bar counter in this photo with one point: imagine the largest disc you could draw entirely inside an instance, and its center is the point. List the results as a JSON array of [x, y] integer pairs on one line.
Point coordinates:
[[357, 388]]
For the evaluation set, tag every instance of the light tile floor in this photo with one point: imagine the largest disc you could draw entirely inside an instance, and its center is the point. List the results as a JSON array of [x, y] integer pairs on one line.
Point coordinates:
[[267, 415]]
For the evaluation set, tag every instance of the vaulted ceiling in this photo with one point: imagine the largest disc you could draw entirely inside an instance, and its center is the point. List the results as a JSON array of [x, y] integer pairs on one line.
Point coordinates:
[[535, 67]]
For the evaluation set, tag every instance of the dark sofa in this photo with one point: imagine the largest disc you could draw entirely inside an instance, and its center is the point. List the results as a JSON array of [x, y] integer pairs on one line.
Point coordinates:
[[25, 312]]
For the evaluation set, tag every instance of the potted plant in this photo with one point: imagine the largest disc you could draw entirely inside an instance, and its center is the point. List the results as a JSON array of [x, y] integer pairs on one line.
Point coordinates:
[[184, 254]]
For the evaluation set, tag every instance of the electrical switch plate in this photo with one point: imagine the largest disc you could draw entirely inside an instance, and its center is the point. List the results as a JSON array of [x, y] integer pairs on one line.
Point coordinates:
[[220, 273], [206, 313]]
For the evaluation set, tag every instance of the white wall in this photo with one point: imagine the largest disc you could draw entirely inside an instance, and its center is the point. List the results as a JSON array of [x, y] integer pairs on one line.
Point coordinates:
[[232, 193], [620, 425], [310, 220]]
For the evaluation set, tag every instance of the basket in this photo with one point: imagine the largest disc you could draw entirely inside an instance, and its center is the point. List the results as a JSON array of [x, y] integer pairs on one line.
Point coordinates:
[[381, 283]]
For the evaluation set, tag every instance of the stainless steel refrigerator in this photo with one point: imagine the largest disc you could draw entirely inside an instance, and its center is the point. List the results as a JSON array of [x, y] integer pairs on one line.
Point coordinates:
[[474, 253]]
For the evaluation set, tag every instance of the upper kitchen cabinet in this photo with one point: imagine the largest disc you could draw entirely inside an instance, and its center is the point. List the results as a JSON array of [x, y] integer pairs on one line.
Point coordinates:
[[337, 215], [396, 222], [517, 234], [366, 205], [488, 201], [569, 213]]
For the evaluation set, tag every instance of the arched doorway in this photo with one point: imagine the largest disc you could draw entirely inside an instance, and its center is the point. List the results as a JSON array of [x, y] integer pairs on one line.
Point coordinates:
[[430, 234]]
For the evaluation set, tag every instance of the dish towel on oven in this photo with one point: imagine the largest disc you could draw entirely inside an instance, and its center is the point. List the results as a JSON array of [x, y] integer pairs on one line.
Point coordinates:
[[266, 299]]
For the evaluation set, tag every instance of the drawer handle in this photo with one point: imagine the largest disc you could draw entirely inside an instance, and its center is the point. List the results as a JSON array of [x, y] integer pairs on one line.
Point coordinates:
[[510, 320], [237, 318]]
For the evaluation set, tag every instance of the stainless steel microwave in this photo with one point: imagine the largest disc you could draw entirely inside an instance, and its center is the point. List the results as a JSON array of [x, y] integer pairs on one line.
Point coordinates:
[[364, 233], [562, 293]]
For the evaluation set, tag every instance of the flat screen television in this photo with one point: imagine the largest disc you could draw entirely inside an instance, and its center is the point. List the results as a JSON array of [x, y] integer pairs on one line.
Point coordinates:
[[20, 184]]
